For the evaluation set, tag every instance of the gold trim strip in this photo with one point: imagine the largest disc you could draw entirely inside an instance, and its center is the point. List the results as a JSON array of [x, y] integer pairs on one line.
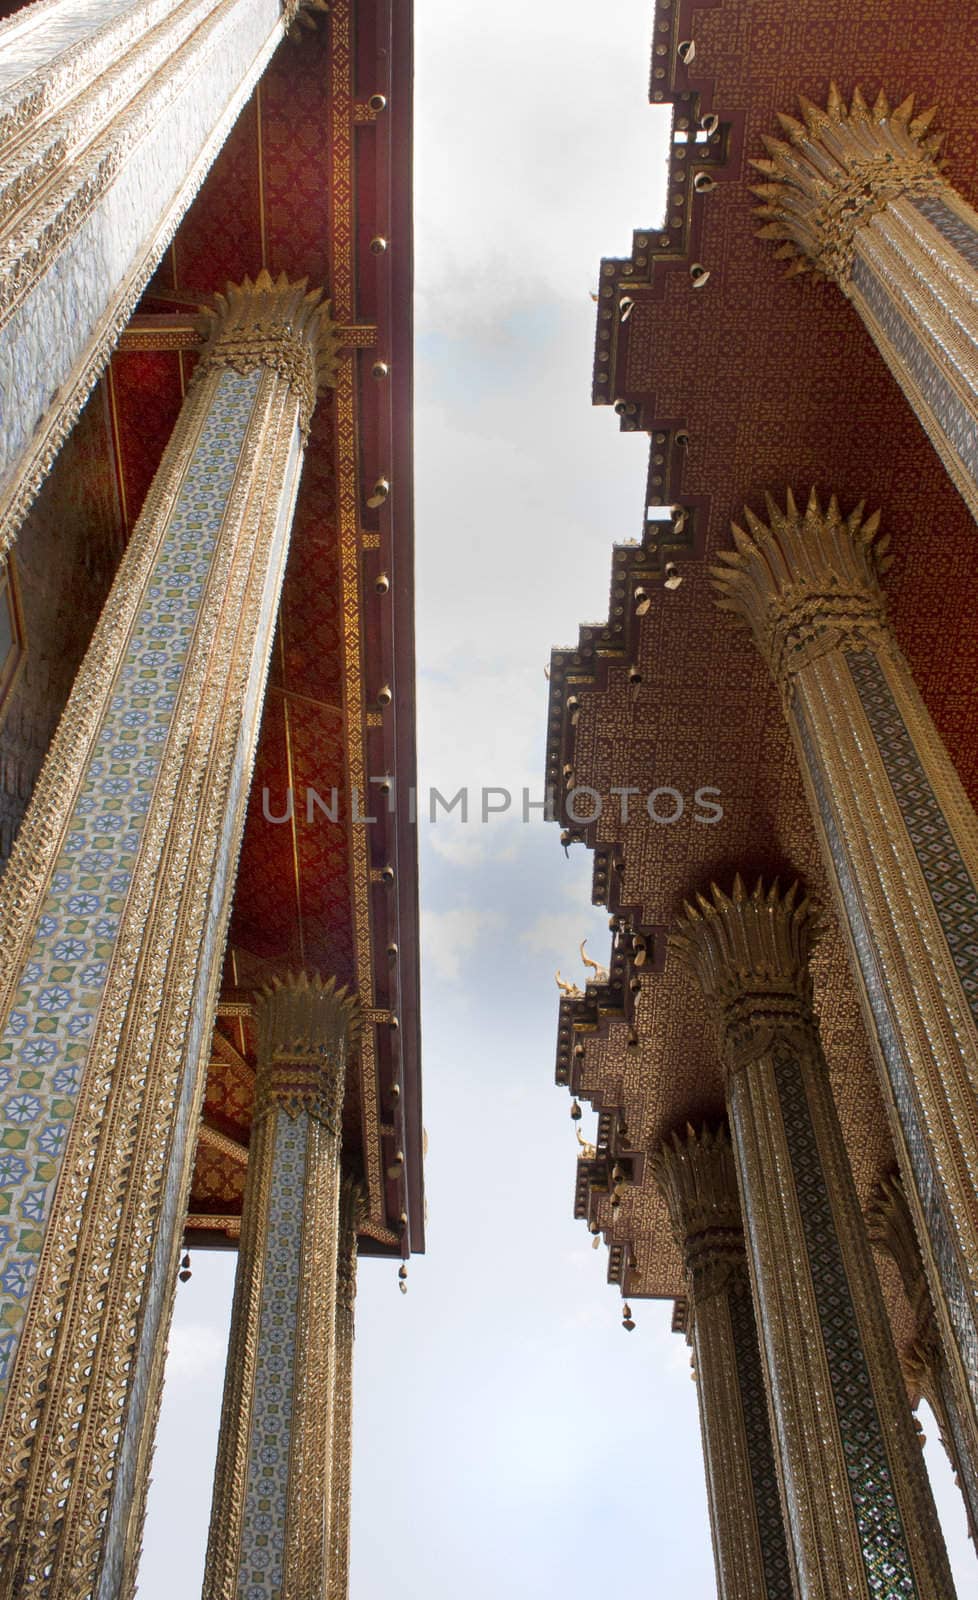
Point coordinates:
[[225, 1146], [204, 1222]]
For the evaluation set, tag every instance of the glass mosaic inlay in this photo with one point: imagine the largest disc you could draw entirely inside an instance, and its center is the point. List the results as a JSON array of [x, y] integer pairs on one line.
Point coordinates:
[[260, 1574], [47, 1033], [957, 423], [763, 1472], [898, 1069], [948, 880], [949, 225], [886, 1557]]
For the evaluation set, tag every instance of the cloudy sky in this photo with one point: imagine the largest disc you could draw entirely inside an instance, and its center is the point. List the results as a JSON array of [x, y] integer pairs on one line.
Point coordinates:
[[510, 1436]]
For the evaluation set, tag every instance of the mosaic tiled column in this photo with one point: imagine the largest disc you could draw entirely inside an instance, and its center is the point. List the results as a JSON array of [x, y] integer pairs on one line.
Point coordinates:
[[697, 1176], [353, 1210], [858, 195], [113, 912], [859, 1512], [111, 112], [271, 1521], [891, 1230], [900, 843]]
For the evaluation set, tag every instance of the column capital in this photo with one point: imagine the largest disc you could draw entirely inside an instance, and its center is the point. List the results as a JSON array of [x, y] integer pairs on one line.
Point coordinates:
[[305, 1023], [696, 1173], [835, 170], [806, 582], [276, 323], [750, 954]]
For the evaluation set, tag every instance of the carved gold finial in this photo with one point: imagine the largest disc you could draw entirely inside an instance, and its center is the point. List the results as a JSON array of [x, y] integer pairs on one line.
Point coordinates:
[[275, 323], [834, 170], [805, 582], [589, 1151], [305, 1025], [750, 953], [696, 1174], [600, 972]]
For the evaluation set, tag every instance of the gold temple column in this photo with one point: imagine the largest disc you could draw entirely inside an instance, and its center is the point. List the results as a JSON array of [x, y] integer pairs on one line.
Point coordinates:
[[113, 914], [352, 1213], [110, 116], [697, 1176], [857, 1502], [271, 1522], [858, 195], [891, 1230], [900, 843]]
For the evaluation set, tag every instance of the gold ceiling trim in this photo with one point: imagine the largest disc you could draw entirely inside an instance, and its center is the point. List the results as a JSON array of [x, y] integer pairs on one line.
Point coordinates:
[[343, 287], [356, 770], [148, 333], [222, 1047], [204, 1222], [225, 1146]]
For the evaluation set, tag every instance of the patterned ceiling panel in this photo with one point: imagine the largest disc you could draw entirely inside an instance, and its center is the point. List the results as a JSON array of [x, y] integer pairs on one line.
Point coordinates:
[[145, 394], [311, 609], [322, 844], [230, 1095], [295, 120], [221, 235], [218, 1182]]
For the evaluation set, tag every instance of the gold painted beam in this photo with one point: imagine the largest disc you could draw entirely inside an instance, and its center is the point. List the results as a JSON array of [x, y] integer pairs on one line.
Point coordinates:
[[218, 1140], [149, 331]]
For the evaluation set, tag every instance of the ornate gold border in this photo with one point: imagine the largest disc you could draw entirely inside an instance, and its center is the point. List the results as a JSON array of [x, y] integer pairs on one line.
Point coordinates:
[[348, 497]]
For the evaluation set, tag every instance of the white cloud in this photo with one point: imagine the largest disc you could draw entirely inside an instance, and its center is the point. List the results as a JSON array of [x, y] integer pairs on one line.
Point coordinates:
[[557, 935], [471, 847], [197, 1350], [537, 148], [448, 938]]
